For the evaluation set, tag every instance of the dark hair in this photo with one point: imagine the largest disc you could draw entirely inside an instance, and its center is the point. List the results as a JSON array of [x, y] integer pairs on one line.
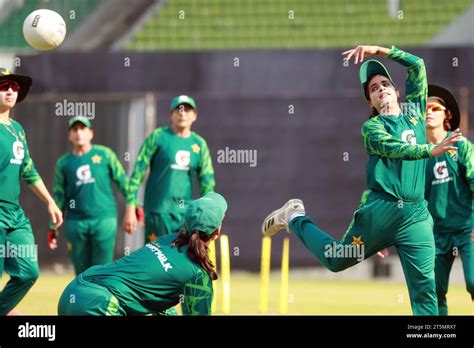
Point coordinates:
[[447, 119], [197, 251], [367, 95]]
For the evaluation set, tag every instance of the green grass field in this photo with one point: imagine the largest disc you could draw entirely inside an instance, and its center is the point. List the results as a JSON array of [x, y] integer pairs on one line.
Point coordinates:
[[306, 296]]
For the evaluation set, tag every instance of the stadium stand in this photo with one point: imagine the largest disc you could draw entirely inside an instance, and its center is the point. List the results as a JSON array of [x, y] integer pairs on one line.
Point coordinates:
[[267, 24]]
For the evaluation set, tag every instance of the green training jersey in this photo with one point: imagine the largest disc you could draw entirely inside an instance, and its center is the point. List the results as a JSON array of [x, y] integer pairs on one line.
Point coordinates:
[[82, 183], [154, 278], [450, 189], [174, 162], [15, 163], [397, 144]]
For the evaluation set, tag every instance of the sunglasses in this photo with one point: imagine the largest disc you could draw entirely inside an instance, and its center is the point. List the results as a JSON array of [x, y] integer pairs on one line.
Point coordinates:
[[435, 107], [5, 86]]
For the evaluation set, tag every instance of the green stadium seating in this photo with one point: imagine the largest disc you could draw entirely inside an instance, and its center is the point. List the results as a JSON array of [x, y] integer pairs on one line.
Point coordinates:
[[264, 24]]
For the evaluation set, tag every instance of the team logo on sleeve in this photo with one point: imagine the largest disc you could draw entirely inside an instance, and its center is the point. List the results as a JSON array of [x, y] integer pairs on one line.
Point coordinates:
[[408, 136], [18, 152], [441, 173], [182, 158], [84, 175]]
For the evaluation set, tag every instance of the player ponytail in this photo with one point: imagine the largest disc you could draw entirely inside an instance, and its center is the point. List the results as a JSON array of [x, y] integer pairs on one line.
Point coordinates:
[[197, 251]]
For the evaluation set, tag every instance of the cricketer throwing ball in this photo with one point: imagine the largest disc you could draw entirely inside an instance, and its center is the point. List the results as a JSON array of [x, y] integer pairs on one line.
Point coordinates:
[[392, 210]]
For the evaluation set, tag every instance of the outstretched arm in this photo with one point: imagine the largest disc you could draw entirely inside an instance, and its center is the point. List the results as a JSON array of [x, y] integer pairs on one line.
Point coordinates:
[[378, 141]]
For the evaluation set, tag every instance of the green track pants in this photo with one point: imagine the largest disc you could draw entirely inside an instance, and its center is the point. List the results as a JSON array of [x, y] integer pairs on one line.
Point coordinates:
[[85, 298], [91, 242], [380, 222], [18, 258], [448, 246]]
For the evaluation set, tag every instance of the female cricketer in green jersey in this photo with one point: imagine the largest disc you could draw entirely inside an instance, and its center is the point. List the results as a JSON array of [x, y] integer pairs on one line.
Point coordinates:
[[18, 252], [450, 194], [175, 268], [393, 210], [82, 187], [175, 156]]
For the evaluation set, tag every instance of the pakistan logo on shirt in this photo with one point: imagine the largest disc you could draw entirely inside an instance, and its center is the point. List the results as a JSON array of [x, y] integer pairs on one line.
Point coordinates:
[[84, 175]]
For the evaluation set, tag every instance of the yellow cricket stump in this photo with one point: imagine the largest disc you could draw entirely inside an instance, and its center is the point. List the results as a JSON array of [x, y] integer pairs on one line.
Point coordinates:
[[212, 256], [285, 265], [265, 273], [225, 273]]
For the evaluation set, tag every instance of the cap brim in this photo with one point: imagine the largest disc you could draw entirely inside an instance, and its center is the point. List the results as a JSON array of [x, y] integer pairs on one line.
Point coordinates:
[[450, 101], [24, 81], [183, 103], [369, 68], [81, 122]]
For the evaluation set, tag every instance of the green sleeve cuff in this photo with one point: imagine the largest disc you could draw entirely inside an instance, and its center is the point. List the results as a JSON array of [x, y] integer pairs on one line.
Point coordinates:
[[429, 149], [392, 51]]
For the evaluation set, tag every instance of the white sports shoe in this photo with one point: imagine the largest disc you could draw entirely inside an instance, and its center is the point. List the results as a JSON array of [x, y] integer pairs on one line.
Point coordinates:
[[278, 220]]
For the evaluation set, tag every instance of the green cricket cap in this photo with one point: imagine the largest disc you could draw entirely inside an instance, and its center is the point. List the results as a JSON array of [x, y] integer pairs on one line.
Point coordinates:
[[369, 68], [81, 119], [182, 99], [206, 213]]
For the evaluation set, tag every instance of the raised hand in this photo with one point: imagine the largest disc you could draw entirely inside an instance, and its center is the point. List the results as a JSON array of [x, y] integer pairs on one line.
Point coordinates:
[[446, 144], [360, 52]]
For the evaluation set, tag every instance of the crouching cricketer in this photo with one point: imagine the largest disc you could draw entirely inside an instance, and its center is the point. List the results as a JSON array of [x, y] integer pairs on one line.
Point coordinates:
[[175, 268]]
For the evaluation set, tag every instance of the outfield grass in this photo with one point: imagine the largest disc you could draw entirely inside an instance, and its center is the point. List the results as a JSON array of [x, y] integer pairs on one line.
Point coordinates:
[[306, 296]]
